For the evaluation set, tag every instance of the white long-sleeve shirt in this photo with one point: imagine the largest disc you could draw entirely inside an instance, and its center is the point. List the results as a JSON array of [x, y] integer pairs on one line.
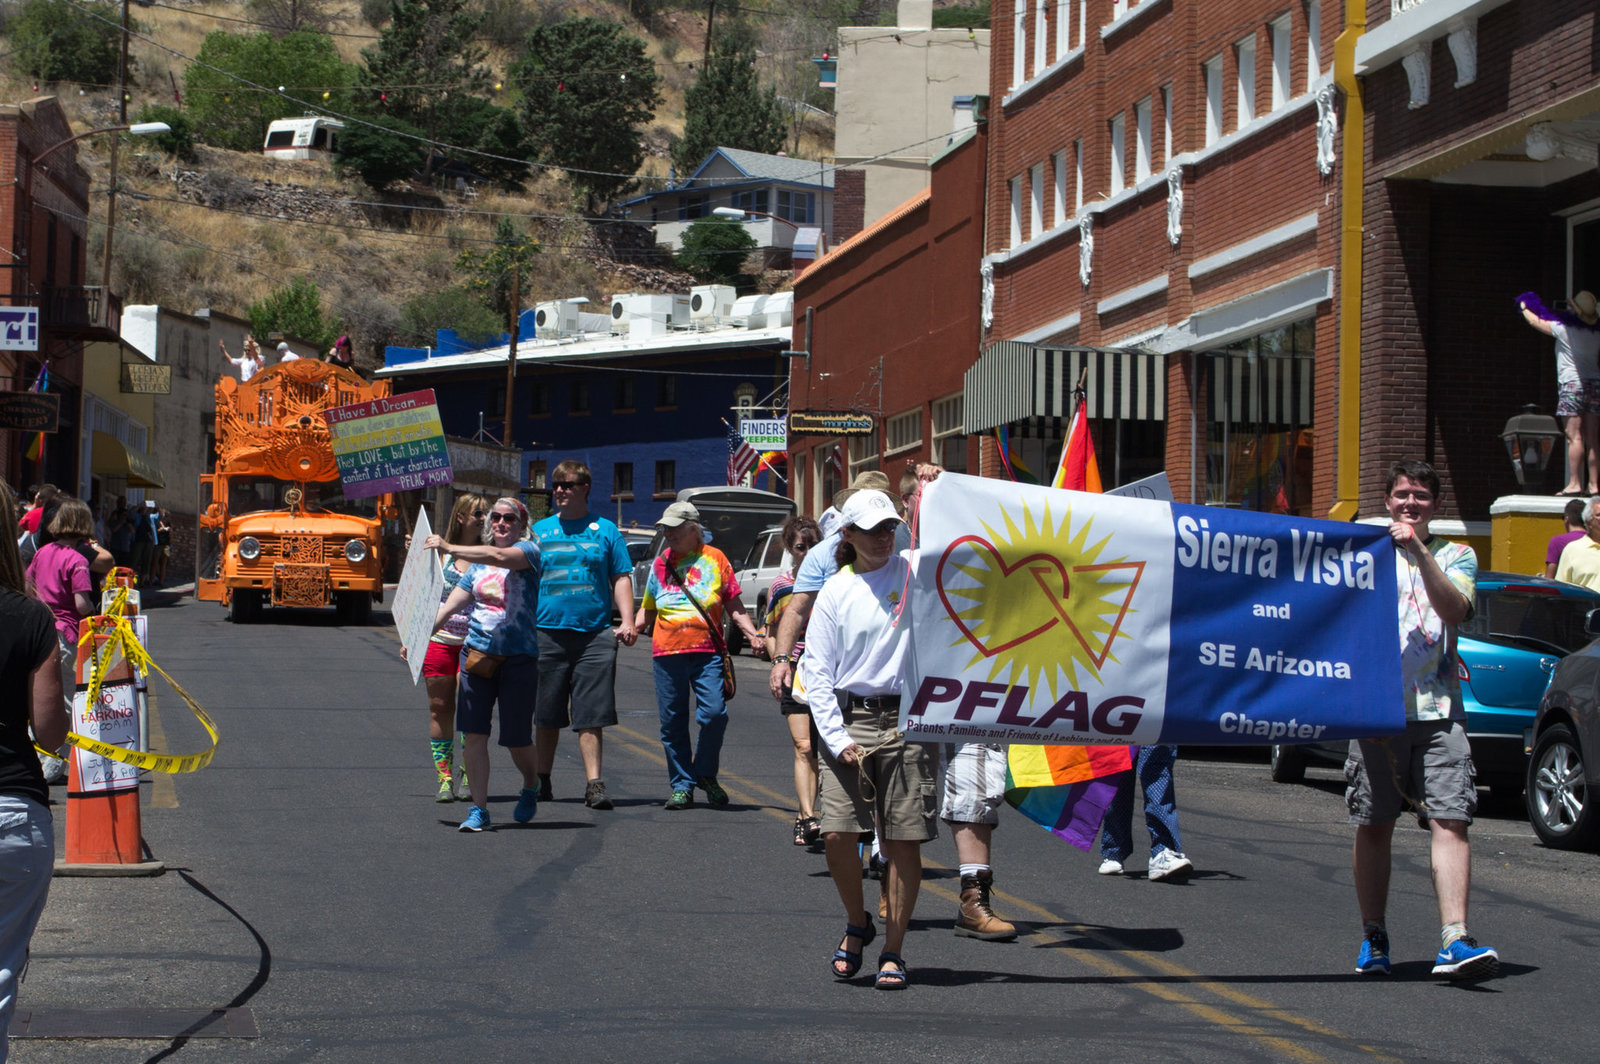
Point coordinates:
[[853, 644]]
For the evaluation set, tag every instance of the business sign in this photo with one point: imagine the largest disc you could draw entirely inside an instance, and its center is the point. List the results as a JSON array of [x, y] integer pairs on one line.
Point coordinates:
[[417, 596], [830, 423], [1047, 616], [390, 444], [765, 434], [142, 378], [30, 411], [19, 328]]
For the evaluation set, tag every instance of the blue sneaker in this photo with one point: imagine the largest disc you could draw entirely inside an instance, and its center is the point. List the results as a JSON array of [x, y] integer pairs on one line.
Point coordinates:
[[527, 805], [1465, 959], [477, 819], [1374, 956]]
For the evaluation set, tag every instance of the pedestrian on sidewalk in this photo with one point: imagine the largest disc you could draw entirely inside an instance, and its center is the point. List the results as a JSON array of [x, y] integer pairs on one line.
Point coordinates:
[[1429, 767], [691, 585], [501, 662], [585, 575], [1153, 769], [30, 696], [1572, 518]]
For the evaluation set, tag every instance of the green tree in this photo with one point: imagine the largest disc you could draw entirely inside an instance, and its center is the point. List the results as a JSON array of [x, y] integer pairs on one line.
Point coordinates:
[[382, 150], [714, 250], [295, 310], [231, 113], [726, 107], [586, 88], [426, 58], [58, 41], [180, 141], [489, 271], [451, 308], [498, 134]]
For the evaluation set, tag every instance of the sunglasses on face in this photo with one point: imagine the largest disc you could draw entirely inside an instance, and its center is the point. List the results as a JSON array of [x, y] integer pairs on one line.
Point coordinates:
[[881, 529], [498, 516], [479, 515], [569, 485]]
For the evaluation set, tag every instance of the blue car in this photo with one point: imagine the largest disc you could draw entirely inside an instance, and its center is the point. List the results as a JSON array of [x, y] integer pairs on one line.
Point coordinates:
[[1521, 628]]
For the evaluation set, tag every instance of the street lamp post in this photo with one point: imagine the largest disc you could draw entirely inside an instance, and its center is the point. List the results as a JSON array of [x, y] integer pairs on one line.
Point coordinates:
[[741, 214]]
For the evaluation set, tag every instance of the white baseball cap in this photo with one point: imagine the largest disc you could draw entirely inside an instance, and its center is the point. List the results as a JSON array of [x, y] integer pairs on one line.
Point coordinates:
[[868, 509]]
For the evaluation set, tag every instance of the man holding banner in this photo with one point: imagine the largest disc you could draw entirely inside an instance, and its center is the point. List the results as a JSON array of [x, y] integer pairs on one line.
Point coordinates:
[[1429, 766]]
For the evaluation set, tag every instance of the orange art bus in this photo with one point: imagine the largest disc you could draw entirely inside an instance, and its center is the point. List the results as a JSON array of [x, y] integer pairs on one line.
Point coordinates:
[[275, 526]]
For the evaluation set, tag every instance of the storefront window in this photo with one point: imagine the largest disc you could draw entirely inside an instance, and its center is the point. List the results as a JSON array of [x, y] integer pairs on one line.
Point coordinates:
[[1260, 430]]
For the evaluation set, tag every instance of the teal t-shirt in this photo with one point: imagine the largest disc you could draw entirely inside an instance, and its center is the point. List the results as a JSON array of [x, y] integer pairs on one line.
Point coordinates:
[[581, 561]]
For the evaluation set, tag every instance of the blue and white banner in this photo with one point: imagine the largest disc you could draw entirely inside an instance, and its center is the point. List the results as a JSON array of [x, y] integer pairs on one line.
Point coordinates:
[[1047, 616]]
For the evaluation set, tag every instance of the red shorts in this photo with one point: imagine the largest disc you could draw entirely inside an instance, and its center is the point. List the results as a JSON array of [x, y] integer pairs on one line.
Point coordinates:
[[441, 660]]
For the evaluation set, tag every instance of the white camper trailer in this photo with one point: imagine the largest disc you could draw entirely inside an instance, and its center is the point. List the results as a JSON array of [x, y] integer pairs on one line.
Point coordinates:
[[311, 137]]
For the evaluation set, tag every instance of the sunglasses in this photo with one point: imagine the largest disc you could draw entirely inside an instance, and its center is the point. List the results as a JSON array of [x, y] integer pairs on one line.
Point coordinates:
[[496, 515], [570, 485], [480, 514], [879, 529]]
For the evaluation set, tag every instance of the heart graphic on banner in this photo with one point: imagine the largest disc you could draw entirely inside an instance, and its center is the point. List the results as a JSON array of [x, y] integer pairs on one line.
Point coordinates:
[[1026, 598]]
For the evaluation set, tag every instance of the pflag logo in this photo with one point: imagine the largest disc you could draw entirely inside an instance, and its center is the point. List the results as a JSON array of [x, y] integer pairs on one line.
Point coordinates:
[[1038, 600]]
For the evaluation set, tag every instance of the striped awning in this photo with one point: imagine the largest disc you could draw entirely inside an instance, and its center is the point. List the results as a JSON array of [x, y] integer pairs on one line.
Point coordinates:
[[1014, 381]]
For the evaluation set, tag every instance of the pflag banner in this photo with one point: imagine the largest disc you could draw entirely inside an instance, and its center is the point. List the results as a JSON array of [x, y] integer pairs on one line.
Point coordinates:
[[1047, 616]]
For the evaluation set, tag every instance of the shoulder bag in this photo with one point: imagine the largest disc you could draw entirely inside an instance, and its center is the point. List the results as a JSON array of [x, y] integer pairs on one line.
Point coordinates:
[[730, 683]]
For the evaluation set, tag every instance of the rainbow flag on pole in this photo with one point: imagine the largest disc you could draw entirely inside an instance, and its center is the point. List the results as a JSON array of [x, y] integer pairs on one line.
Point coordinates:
[[35, 451]]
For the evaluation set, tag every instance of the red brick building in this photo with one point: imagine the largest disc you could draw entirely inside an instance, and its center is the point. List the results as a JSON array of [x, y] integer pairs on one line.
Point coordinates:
[[895, 325], [44, 235], [1163, 213], [1483, 135]]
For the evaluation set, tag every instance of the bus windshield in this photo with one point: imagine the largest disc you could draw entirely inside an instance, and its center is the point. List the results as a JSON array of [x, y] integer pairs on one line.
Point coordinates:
[[248, 495]]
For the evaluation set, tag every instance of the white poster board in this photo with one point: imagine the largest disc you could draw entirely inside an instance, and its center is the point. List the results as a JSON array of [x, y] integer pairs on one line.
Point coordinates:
[[114, 719], [417, 596]]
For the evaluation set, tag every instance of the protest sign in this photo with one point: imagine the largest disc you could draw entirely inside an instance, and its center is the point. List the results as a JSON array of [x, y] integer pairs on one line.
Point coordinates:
[[417, 596], [1047, 616], [395, 443]]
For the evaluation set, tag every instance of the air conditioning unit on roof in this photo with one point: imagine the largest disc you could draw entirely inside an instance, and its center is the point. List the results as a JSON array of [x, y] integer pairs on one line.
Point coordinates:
[[711, 302], [555, 319], [647, 314]]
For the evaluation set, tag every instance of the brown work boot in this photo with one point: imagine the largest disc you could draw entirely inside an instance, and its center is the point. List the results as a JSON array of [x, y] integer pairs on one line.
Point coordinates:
[[976, 919]]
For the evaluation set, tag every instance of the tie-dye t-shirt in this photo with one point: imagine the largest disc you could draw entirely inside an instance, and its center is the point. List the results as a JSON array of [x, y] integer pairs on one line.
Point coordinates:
[[679, 627], [1427, 644], [505, 606]]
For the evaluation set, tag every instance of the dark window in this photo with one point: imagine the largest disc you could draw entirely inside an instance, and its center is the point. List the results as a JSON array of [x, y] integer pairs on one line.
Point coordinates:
[[692, 207], [1550, 624], [538, 476], [667, 390], [622, 480], [624, 393], [280, 138], [666, 478], [539, 399], [795, 206], [751, 200], [1259, 432], [580, 397], [496, 407]]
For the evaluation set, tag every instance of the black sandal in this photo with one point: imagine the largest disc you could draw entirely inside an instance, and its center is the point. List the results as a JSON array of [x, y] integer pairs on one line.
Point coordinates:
[[890, 978], [852, 961], [807, 829]]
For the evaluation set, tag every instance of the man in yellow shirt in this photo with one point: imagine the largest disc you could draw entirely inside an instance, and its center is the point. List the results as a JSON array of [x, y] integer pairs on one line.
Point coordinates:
[[1580, 559]]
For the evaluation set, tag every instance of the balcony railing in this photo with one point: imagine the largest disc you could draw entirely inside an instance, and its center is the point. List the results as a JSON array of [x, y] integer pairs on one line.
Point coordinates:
[[82, 309]]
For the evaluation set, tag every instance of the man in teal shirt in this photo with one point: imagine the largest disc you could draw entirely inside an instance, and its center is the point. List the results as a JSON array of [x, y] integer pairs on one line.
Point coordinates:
[[586, 573]]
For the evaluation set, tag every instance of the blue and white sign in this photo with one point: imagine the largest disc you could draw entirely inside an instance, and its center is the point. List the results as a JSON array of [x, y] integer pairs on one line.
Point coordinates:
[[19, 328], [1047, 616]]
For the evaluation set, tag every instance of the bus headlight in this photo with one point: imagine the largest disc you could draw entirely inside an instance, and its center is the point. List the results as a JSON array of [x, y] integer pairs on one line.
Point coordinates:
[[355, 551], [249, 548]]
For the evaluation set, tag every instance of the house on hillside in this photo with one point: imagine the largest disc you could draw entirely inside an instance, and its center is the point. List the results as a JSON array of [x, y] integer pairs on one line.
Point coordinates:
[[788, 202]]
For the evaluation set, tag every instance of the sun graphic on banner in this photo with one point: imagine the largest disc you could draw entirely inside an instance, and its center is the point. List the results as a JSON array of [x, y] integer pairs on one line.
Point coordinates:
[[1038, 600]]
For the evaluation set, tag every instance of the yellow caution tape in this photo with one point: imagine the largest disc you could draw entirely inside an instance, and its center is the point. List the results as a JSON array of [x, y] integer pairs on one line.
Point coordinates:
[[122, 639]]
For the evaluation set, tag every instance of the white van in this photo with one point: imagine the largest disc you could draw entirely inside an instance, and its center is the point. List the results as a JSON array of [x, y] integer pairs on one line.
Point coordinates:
[[311, 137]]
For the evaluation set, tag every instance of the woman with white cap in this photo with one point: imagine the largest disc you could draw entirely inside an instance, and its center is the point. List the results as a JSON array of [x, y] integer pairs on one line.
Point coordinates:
[[855, 644], [690, 585], [1577, 337]]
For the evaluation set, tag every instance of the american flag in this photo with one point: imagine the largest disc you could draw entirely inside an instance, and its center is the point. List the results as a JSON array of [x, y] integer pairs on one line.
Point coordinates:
[[836, 463], [741, 456]]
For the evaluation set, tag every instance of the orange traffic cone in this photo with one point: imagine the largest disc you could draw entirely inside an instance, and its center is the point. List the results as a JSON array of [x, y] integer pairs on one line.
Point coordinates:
[[103, 830]]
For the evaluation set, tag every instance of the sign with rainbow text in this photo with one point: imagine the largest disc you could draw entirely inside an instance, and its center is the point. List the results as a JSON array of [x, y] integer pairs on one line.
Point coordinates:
[[1047, 616], [391, 444]]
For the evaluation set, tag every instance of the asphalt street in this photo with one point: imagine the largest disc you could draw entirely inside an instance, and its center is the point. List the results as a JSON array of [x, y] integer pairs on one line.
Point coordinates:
[[317, 891]]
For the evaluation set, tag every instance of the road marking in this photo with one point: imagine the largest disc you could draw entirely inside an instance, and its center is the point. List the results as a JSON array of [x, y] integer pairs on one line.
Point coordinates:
[[1283, 1047], [163, 795]]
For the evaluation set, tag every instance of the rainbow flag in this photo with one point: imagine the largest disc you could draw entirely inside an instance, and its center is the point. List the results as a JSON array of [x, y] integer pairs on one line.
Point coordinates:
[[1066, 789], [1010, 459], [35, 451]]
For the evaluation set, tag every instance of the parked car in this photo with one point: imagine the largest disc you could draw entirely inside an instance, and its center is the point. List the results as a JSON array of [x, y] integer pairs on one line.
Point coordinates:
[[1564, 764], [637, 541], [766, 560], [732, 518], [1521, 627]]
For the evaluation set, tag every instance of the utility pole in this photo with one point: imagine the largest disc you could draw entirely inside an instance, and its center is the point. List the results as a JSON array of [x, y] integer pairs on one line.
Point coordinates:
[[111, 193], [511, 352], [711, 18]]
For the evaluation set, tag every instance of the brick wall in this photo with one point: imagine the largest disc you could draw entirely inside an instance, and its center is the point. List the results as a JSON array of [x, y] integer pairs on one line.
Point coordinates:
[[849, 204]]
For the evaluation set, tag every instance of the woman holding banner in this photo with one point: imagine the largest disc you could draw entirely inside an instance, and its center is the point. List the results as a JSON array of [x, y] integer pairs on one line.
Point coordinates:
[[850, 672], [30, 694]]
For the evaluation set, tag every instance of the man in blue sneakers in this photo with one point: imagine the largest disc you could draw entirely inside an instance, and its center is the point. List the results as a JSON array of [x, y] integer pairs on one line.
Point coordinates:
[[1428, 767]]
